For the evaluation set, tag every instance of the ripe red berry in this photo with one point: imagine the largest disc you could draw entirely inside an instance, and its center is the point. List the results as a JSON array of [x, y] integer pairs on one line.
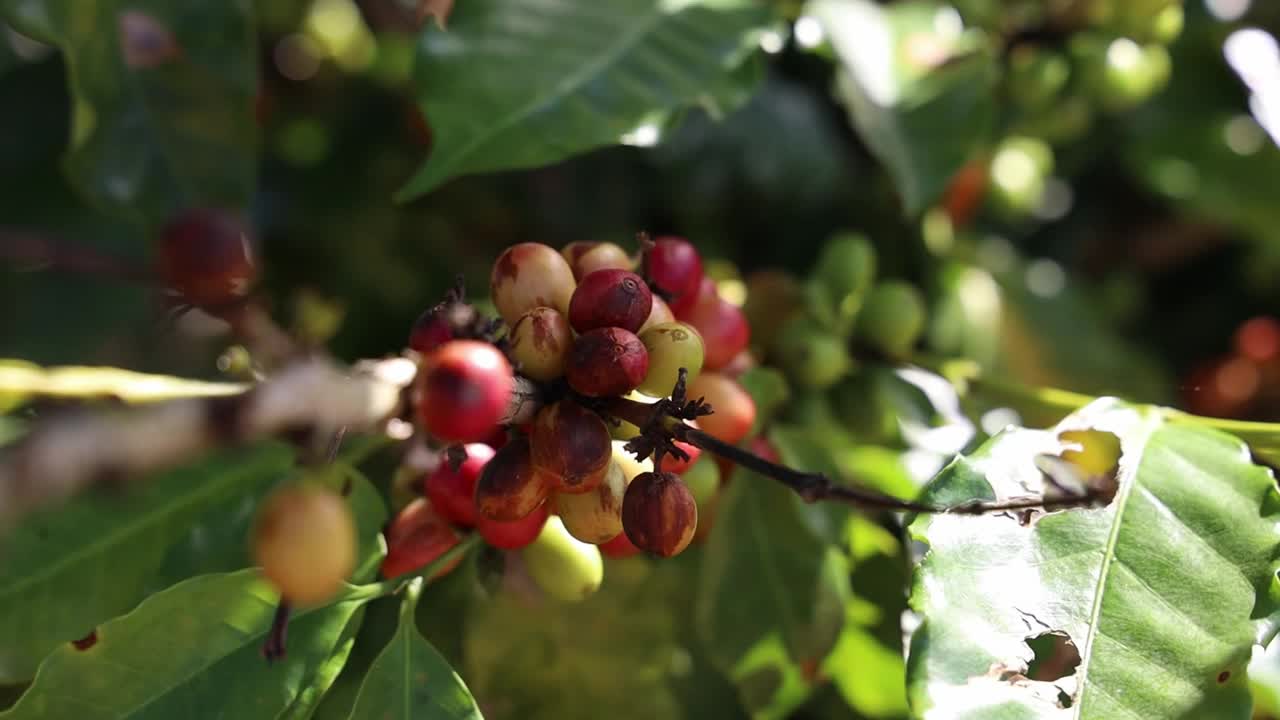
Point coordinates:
[[721, 324], [430, 331], [587, 257], [527, 276], [452, 492], [515, 534], [463, 390], [572, 444], [416, 537], [735, 411], [672, 464], [674, 267], [619, 547], [205, 255], [606, 362], [610, 298], [659, 514], [509, 486]]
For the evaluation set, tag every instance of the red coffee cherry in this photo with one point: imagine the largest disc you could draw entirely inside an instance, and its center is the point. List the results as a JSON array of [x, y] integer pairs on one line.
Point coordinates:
[[452, 492], [515, 534], [607, 361], [416, 537], [430, 331], [463, 391], [610, 298], [619, 547], [735, 411], [722, 325], [509, 486], [674, 267], [659, 514], [527, 276], [205, 255], [572, 444]]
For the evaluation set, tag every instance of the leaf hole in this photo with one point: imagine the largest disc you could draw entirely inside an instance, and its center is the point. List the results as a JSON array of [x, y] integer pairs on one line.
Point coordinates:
[[1056, 657], [86, 642], [1224, 676]]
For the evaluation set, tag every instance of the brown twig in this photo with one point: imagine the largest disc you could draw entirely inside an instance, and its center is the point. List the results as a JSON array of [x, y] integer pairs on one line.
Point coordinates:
[[661, 424], [38, 252]]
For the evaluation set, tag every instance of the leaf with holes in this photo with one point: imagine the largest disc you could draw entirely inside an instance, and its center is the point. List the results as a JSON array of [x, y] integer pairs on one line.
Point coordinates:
[[410, 679], [162, 102], [1146, 607], [195, 645], [496, 99], [920, 90]]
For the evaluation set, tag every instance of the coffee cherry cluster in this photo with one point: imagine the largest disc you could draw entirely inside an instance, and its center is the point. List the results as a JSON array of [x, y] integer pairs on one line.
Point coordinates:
[[586, 325]]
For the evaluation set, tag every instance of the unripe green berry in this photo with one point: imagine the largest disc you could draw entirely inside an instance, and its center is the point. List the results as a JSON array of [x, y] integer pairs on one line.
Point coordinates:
[[671, 346], [564, 567], [596, 516], [892, 318]]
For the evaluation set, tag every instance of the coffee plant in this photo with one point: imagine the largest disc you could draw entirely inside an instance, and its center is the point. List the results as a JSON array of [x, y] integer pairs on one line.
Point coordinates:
[[636, 359]]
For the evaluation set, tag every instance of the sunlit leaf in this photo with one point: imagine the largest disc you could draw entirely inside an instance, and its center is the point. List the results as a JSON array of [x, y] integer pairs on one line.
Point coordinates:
[[496, 99], [1163, 592]]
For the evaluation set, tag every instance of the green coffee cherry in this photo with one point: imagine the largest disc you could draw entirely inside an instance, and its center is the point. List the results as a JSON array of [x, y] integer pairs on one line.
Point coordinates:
[[703, 480], [893, 318], [671, 346], [564, 567], [844, 274], [811, 355]]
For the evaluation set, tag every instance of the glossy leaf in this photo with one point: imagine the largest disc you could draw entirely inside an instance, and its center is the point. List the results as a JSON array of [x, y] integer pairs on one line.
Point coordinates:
[[162, 103], [410, 679], [195, 645], [1164, 591], [20, 380], [326, 672], [496, 99], [66, 571], [906, 81], [771, 592]]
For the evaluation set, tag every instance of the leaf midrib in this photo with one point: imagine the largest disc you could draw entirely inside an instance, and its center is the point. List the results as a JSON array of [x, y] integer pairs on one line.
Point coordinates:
[[1127, 484], [564, 89]]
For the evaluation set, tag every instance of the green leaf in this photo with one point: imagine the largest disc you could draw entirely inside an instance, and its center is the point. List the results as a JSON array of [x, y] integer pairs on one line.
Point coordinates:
[[410, 679], [771, 593], [317, 687], [904, 107], [866, 664], [612, 655], [496, 99], [768, 388], [1164, 591], [162, 103], [20, 380], [195, 645], [30, 17], [69, 569]]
